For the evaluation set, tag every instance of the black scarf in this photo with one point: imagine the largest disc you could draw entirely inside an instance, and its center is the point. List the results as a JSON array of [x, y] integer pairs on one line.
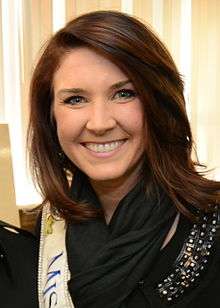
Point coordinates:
[[107, 261]]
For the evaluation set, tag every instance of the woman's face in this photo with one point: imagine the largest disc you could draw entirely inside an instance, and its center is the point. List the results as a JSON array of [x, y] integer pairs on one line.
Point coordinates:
[[100, 120]]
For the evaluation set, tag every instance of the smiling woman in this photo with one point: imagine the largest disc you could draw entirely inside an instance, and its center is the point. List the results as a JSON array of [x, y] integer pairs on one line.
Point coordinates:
[[92, 124], [110, 146]]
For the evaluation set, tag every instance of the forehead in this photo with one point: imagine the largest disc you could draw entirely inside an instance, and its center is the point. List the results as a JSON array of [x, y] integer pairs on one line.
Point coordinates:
[[83, 63]]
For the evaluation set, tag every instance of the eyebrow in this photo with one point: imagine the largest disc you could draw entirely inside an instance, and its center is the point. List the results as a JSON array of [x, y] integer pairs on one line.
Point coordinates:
[[115, 86]]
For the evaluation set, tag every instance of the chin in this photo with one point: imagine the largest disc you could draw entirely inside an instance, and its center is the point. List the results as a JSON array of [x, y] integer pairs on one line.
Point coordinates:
[[104, 174], [102, 177]]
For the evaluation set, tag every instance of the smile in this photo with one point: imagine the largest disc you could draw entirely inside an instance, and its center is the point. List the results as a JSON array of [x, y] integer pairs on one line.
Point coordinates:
[[104, 147]]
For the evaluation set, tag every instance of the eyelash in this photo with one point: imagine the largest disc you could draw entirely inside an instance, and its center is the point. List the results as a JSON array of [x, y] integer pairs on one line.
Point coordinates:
[[131, 94], [69, 100]]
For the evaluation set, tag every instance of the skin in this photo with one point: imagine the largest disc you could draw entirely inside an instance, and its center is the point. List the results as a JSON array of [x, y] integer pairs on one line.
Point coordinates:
[[95, 103]]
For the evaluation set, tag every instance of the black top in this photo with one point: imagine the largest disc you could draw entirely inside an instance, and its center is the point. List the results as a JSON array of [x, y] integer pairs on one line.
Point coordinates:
[[106, 261], [18, 268], [205, 294]]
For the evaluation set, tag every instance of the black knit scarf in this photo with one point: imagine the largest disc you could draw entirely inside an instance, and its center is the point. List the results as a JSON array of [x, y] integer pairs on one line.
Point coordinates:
[[107, 261]]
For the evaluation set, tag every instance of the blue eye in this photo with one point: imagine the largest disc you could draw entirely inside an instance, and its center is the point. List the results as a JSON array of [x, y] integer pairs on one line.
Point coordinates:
[[74, 100], [125, 94]]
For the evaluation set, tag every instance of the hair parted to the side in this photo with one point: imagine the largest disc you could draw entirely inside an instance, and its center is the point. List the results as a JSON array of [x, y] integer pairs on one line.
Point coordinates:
[[135, 49]]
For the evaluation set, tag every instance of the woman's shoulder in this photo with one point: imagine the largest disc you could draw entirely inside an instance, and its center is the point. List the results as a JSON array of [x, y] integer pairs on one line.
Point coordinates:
[[18, 267], [10, 236], [7, 229], [17, 244], [192, 271]]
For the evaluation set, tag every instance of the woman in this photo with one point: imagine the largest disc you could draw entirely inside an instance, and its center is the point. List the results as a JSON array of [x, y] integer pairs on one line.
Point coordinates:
[[110, 146], [18, 264]]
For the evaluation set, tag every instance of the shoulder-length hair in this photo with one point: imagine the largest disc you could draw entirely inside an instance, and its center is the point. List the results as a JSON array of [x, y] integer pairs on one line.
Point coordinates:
[[137, 51]]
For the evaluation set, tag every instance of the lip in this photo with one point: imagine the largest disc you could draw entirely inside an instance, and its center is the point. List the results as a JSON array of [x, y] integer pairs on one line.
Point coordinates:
[[105, 154], [104, 141]]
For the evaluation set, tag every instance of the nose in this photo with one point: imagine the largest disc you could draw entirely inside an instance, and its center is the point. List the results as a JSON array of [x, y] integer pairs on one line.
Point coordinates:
[[101, 118]]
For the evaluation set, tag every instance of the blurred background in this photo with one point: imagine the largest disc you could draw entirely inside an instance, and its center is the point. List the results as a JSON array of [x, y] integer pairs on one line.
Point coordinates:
[[189, 28]]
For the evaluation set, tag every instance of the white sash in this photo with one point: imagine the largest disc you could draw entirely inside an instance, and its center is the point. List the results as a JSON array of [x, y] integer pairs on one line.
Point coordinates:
[[53, 273]]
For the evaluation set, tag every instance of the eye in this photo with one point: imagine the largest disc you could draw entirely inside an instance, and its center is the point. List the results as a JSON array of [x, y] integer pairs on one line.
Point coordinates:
[[74, 100], [125, 94]]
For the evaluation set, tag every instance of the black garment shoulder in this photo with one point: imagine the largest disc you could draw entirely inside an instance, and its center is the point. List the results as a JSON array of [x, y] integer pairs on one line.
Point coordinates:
[[18, 267], [204, 294]]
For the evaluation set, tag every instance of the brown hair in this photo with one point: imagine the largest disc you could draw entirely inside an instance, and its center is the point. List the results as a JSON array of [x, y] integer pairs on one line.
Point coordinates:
[[140, 54]]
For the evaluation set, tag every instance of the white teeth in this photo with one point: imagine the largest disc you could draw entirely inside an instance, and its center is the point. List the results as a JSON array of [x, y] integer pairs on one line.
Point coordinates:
[[103, 147]]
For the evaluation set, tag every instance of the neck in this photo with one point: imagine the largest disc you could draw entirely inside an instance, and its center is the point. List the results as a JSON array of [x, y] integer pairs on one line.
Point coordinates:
[[110, 192]]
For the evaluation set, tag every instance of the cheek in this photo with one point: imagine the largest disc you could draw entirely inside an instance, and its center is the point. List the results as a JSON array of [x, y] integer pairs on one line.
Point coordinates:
[[133, 119], [136, 126], [68, 127]]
